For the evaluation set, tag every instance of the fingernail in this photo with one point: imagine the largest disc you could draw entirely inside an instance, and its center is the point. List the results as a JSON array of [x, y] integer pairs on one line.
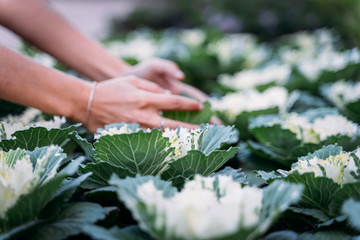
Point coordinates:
[[179, 74]]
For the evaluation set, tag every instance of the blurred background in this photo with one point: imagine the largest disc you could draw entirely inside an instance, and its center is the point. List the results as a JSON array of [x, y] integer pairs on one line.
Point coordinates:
[[92, 17], [267, 19], [208, 38]]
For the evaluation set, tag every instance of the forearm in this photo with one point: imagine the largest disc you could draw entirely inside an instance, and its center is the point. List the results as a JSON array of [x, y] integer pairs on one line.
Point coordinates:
[[27, 83], [45, 29]]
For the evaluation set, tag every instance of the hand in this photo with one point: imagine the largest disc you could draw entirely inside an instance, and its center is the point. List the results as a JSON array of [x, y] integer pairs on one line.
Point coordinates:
[[167, 75], [131, 99]]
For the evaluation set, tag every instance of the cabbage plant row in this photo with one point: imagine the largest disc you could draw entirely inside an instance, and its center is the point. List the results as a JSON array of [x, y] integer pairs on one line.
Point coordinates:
[[285, 164]]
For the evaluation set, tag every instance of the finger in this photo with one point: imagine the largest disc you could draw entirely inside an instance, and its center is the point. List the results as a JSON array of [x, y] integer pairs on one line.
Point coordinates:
[[172, 124], [147, 85], [177, 75], [166, 102], [169, 69], [215, 120], [179, 88]]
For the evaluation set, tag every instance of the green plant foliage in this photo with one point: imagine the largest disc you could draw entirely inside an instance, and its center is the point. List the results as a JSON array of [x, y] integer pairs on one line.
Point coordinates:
[[191, 117], [71, 221], [196, 162], [275, 199], [150, 153], [37, 137], [324, 192], [42, 211], [242, 120], [351, 209], [236, 174], [285, 144], [115, 233]]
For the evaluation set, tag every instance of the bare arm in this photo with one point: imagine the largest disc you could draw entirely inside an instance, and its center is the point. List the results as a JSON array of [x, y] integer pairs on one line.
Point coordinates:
[[27, 83], [129, 99], [37, 23]]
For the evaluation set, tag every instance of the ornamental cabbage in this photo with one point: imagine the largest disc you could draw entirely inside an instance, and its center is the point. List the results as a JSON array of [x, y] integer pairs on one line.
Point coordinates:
[[339, 168], [206, 208], [127, 150], [345, 95], [257, 78], [330, 176], [22, 171], [14, 124], [285, 138], [250, 100], [320, 128]]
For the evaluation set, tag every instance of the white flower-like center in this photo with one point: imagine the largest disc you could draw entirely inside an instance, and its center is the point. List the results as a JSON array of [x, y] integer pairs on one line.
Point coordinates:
[[203, 211]]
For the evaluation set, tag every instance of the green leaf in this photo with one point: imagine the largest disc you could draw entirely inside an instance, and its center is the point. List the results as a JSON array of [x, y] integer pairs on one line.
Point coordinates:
[[53, 155], [191, 117], [196, 162], [315, 213], [352, 111], [318, 192], [108, 193], [348, 190], [324, 152], [243, 120], [29, 206], [264, 120], [70, 222], [333, 223], [269, 176], [236, 174], [277, 197], [267, 154], [102, 171], [348, 143], [63, 194], [215, 136], [303, 150], [37, 137], [72, 167], [351, 209], [84, 144], [127, 192], [12, 156], [328, 235], [281, 141], [16, 232], [300, 101], [262, 150], [92, 183], [140, 152], [115, 233], [283, 146]]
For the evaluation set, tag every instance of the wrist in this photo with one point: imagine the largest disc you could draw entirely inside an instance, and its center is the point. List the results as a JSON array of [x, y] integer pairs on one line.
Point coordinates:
[[78, 101]]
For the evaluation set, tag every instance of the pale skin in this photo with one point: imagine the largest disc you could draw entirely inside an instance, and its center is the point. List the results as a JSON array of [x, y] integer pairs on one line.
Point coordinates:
[[126, 97]]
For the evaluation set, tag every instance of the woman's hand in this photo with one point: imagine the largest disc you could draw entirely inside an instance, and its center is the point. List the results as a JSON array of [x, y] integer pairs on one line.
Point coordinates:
[[131, 99], [167, 75]]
